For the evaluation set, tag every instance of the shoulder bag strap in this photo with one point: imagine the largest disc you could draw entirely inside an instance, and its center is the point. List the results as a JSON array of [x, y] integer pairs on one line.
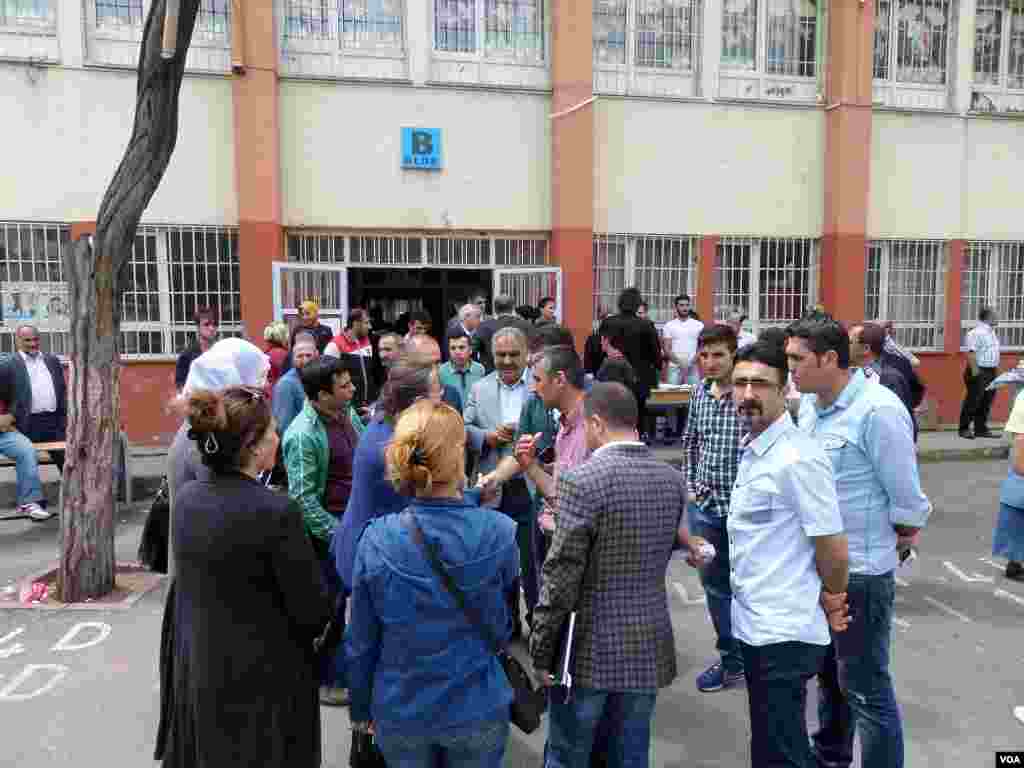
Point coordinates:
[[430, 552]]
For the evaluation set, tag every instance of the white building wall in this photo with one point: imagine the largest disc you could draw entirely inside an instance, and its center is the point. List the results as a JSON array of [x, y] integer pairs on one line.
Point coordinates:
[[69, 131], [340, 158], [694, 168]]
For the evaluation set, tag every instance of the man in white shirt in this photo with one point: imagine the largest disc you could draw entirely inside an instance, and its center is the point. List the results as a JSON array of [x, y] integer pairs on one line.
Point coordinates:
[[789, 559], [982, 368], [679, 338]]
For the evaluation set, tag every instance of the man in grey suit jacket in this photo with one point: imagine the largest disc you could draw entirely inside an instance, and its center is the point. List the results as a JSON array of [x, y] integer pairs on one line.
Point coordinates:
[[491, 414], [619, 516]]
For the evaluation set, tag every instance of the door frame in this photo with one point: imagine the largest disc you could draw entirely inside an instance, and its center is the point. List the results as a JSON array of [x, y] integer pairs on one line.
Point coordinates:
[[557, 271]]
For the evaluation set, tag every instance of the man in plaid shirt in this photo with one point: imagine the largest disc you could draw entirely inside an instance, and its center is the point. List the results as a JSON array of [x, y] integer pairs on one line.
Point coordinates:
[[711, 445]]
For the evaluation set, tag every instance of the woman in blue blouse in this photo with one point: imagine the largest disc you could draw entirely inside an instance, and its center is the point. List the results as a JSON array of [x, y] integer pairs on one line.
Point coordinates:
[[420, 672]]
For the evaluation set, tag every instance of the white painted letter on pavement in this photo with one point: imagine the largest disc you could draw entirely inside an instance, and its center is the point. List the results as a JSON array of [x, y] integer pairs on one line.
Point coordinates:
[[65, 644], [976, 577], [11, 650], [11, 692]]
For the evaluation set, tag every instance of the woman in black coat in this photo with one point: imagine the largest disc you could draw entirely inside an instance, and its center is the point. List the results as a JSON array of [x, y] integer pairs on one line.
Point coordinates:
[[238, 684]]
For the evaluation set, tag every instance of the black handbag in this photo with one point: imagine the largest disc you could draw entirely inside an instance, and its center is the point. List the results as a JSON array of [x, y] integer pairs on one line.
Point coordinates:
[[527, 703], [365, 753], [153, 544]]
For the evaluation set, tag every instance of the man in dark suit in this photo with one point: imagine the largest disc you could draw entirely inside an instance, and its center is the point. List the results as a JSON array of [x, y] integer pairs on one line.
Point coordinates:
[[640, 345], [619, 515], [467, 321], [867, 351], [505, 316], [40, 405]]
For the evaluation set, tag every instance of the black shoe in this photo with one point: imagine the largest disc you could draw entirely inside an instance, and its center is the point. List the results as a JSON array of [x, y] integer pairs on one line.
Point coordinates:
[[988, 434], [1015, 571], [966, 434]]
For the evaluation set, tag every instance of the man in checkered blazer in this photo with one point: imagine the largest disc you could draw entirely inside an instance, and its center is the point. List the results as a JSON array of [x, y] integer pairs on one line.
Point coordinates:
[[619, 516]]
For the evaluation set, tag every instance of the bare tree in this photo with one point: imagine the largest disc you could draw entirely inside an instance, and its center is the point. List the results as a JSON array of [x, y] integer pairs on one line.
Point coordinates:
[[94, 269]]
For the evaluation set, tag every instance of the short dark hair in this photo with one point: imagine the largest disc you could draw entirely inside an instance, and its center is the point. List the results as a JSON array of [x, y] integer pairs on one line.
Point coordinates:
[[682, 297], [206, 313], [872, 336], [545, 301], [717, 334], [630, 300], [562, 359], [550, 336], [613, 402], [774, 335], [318, 375], [459, 334], [419, 316], [355, 315], [528, 312], [767, 353], [824, 335], [503, 304], [985, 314]]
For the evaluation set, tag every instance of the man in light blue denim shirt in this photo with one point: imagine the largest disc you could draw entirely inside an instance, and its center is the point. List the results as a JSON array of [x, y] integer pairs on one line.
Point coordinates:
[[867, 433]]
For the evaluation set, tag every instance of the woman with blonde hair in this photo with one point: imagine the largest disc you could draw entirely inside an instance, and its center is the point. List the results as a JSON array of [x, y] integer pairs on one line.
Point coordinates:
[[276, 349], [420, 672], [238, 685]]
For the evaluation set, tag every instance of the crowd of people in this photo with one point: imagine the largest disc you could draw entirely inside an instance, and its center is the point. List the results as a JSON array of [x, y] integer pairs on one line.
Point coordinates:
[[360, 532]]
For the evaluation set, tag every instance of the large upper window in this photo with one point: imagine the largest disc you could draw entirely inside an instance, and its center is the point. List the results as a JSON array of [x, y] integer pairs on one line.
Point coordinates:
[[912, 39], [998, 50], [32, 12], [906, 284], [307, 20], [666, 34], [371, 23], [119, 13], [993, 276], [788, 45], [661, 267], [512, 29]]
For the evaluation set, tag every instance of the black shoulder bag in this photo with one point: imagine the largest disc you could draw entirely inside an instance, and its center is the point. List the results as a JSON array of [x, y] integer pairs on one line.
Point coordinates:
[[527, 703]]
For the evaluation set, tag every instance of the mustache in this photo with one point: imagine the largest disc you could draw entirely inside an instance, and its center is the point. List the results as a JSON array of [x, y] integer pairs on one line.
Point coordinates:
[[749, 405]]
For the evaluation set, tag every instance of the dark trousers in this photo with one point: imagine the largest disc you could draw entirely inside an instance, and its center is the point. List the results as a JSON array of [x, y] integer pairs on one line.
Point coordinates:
[[44, 428], [517, 503], [777, 676], [855, 688], [714, 577], [977, 402]]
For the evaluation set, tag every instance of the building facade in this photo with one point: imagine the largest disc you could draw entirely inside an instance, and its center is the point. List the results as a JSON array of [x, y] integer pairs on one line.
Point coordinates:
[[763, 153]]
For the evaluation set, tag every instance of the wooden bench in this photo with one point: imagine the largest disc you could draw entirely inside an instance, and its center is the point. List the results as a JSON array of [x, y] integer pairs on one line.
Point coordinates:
[[123, 459]]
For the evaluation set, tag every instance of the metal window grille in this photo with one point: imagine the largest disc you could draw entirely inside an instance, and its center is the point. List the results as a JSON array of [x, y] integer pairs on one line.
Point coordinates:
[[772, 280], [386, 250], [458, 251], [32, 287], [307, 20], [906, 284], [119, 13], [27, 12], [371, 23], [214, 19], [993, 275], [1015, 52], [668, 34], [739, 34], [664, 268], [455, 26], [918, 51], [609, 23], [514, 28], [316, 249], [609, 272], [791, 43], [520, 252], [988, 41]]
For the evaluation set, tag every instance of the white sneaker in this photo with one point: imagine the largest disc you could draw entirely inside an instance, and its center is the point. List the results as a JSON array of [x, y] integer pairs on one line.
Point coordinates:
[[34, 511]]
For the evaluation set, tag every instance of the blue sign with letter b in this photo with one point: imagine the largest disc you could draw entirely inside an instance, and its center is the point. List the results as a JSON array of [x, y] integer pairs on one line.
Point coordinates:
[[421, 148]]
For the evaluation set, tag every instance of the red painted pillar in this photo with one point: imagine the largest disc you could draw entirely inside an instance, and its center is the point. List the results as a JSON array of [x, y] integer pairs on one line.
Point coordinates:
[[707, 263]]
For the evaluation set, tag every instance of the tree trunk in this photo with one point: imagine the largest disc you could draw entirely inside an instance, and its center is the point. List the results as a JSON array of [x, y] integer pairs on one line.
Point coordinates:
[[93, 270]]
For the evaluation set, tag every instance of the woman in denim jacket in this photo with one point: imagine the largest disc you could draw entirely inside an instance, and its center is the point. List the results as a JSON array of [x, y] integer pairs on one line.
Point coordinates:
[[420, 672]]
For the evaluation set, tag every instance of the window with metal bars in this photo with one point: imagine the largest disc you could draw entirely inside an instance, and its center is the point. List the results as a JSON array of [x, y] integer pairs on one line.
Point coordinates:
[[520, 252], [999, 44], [368, 24], [609, 31], [455, 25], [788, 46], [659, 266], [912, 41], [32, 287], [31, 12], [458, 251], [214, 18], [666, 34], [307, 20], [905, 283], [771, 280], [500, 29], [993, 276], [417, 250], [119, 13]]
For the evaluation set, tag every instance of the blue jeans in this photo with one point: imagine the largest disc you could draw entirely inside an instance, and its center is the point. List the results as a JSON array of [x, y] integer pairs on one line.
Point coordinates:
[[623, 718], [18, 448], [856, 690], [777, 676], [714, 577], [477, 745]]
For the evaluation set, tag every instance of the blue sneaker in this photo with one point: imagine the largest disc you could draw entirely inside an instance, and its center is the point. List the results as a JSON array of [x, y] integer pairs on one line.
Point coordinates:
[[715, 678]]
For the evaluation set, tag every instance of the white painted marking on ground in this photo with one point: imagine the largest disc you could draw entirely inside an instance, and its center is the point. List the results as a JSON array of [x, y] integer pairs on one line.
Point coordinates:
[[901, 623], [901, 583], [7, 693], [946, 609], [1018, 712], [1009, 596], [973, 578], [11, 635], [685, 596], [14, 650], [65, 644], [993, 563]]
